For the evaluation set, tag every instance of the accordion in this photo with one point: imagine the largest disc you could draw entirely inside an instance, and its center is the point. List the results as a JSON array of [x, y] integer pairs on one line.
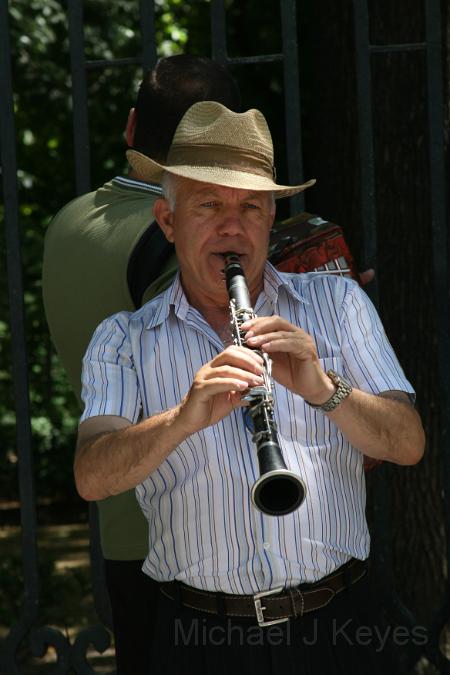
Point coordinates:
[[307, 243]]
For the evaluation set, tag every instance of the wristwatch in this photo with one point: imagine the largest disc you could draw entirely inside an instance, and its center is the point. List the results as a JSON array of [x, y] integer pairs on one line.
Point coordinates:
[[343, 389]]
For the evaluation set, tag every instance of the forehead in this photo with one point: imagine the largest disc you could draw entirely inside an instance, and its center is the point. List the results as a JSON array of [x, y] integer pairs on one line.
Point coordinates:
[[195, 189]]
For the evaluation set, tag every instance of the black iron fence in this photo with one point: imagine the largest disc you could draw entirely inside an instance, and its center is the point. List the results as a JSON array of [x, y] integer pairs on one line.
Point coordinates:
[[71, 654]]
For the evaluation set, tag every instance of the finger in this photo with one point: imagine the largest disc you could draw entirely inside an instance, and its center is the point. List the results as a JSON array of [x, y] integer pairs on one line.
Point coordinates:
[[240, 357], [266, 324], [236, 400], [367, 276], [259, 340], [238, 351], [288, 347], [288, 343], [209, 388], [230, 372], [259, 321]]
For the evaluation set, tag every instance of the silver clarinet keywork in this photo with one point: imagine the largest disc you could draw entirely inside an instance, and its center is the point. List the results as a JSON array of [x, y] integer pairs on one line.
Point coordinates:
[[277, 491]]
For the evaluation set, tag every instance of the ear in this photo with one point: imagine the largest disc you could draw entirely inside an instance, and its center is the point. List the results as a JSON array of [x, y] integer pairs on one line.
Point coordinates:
[[164, 218], [273, 213], [130, 128]]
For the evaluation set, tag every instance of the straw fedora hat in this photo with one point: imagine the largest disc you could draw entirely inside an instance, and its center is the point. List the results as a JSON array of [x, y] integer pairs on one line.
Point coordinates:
[[215, 145]]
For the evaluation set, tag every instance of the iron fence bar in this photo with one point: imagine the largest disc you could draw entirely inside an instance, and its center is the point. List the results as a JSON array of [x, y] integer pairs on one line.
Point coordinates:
[[30, 603], [292, 101], [407, 47], [83, 184], [79, 97], [231, 60], [148, 33], [219, 32], [262, 58], [105, 63], [365, 127], [435, 102], [101, 598]]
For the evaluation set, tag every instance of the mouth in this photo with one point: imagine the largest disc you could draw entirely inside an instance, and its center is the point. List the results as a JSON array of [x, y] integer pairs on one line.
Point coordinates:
[[221, 255]]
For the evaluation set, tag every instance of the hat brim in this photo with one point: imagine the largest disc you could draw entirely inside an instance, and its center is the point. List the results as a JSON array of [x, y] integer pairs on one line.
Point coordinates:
[[151, 171]]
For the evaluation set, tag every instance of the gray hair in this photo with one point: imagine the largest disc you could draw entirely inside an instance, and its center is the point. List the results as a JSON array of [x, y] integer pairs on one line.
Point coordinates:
[[170, 184]]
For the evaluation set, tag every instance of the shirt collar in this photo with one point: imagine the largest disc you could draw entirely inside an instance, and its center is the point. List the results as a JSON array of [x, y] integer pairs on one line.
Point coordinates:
[[141, 186], [275, 280], [175, 298]]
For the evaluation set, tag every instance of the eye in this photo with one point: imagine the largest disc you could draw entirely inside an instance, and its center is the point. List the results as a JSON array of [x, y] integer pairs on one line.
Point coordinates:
[[209, 205], [250, 205]]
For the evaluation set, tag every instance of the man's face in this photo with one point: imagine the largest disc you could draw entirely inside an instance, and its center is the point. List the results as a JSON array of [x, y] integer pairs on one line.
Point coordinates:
[[208, 221]]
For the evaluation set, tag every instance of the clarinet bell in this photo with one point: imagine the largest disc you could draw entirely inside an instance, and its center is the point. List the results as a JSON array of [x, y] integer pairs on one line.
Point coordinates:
[[277, 491]]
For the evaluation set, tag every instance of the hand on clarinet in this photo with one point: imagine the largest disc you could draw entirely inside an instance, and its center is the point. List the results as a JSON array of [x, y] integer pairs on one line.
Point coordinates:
[[218, 387], [294, 356]]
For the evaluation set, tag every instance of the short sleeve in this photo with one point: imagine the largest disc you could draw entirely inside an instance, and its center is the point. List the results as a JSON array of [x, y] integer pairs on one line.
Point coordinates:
[[370, 362], [109, 380]]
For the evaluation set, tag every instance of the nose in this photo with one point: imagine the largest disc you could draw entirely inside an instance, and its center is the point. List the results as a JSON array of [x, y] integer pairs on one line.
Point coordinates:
[[231, 222]]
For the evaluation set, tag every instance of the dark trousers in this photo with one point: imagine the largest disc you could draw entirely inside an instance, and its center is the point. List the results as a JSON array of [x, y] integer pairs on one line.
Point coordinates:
[[134, 597], [342, 638]]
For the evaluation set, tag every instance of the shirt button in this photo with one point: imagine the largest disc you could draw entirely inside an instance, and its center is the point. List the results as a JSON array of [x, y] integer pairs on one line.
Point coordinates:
[[266, 545]]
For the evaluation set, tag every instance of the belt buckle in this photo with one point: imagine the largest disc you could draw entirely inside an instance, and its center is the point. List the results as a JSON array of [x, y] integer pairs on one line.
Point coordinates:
[[259, 607]]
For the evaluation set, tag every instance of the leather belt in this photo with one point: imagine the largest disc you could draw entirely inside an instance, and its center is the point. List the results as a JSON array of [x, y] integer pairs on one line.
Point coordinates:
[[269, 607]]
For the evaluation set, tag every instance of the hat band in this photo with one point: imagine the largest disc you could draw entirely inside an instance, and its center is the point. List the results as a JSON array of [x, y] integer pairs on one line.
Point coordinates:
[[220, 156]]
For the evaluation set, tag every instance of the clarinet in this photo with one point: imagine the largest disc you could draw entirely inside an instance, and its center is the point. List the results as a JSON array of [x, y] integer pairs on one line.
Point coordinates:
[[277, 491]]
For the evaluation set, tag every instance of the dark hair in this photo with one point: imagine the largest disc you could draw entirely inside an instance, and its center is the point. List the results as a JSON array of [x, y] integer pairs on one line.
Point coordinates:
[[167, 91]]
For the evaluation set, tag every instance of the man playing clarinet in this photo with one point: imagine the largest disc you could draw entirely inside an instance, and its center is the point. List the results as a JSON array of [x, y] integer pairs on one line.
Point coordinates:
[[167, 393]]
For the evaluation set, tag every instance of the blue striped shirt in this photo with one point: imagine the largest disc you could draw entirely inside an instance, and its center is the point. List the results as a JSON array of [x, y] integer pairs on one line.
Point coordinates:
[[203, 529]]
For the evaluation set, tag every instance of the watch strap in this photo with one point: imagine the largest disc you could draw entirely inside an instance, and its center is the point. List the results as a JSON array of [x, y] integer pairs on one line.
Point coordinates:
[[343, 389]]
